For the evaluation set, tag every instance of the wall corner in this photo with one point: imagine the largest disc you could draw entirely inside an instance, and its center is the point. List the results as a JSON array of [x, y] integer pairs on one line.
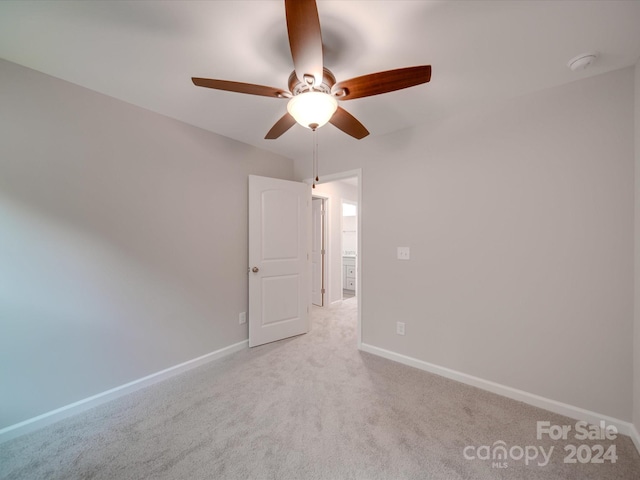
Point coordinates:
[[636, 320]]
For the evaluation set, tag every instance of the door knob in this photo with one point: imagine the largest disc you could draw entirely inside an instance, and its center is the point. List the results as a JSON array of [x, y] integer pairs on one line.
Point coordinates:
[[255, 269]]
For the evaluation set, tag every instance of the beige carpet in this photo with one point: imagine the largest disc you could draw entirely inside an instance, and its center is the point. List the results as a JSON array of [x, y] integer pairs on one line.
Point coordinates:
[[310, 407]]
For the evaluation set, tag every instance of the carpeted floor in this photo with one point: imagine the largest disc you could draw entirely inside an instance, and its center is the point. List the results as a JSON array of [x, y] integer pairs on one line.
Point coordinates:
[[310, 407]]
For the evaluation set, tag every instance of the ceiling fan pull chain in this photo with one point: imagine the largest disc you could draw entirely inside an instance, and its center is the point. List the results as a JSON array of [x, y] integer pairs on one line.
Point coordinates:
[[315, 157], [315, 150]]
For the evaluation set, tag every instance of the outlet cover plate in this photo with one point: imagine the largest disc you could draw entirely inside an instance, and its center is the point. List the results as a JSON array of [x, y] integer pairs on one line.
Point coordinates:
[[404, 253]]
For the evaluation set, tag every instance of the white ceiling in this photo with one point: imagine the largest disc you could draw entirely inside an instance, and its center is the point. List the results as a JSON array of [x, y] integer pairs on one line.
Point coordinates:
[[145, 53]]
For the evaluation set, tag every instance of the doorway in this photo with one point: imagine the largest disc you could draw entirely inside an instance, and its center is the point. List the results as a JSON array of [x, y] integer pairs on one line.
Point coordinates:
[[318, 250], [342, 283], [349, 248]]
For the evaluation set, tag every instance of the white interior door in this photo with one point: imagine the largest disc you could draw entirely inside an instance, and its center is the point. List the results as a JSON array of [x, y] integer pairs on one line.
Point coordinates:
[[279, 263], [317, 251]]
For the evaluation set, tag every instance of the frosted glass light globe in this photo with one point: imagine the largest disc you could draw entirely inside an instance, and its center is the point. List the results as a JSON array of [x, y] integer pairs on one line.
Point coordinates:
[[312, 109]]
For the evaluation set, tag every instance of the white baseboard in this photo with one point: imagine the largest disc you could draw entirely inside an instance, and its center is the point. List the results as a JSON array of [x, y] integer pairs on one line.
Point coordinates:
[[625, 428], [53, 416], [635, 436]]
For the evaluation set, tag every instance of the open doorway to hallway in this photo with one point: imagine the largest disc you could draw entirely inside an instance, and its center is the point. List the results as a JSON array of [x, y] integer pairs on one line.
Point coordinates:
[[349, 248], [339, 201], [342, 241], [318, 250]]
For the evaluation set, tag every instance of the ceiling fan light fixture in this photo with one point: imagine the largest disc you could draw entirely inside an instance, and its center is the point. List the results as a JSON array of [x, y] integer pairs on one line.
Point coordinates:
[[313, 91], [312, 109]]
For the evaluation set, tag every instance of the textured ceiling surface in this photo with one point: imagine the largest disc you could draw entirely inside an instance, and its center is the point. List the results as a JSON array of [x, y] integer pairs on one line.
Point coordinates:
[[481, 52]]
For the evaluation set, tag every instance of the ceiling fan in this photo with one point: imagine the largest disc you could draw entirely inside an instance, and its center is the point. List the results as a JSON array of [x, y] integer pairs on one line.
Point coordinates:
[[313, 91]]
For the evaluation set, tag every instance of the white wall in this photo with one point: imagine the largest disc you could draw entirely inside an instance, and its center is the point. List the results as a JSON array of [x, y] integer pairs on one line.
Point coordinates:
[[636, 336], [520, 223], [335, 192], [349, 234], [123, 241]]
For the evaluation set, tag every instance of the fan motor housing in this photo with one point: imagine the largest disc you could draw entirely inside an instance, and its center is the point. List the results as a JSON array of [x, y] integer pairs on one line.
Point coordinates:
[[297, 87]]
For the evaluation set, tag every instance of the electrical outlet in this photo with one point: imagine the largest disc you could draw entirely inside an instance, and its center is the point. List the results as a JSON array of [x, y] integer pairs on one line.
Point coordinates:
[[403, 253], [400, 328], [242, 318]]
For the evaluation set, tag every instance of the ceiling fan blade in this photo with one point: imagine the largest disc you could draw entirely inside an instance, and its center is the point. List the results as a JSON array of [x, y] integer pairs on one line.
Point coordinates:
[[239, 87], [382, 82], [348, 124], [305, 39], [281, 126]]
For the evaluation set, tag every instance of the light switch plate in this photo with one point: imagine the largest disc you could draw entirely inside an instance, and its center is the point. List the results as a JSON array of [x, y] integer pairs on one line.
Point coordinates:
[[404, 253]]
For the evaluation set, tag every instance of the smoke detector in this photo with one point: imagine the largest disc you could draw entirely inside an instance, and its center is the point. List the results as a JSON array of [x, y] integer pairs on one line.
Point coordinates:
[[582, 61]]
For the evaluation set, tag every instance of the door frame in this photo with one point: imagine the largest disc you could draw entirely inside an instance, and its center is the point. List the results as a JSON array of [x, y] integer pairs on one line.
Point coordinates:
[[361, 283], [325, 204]]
